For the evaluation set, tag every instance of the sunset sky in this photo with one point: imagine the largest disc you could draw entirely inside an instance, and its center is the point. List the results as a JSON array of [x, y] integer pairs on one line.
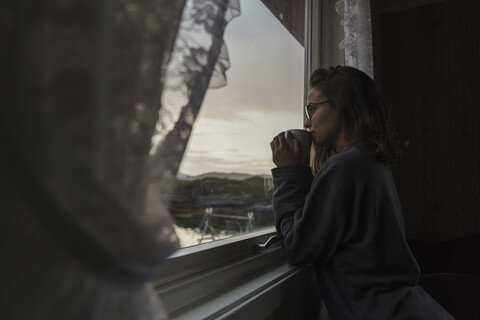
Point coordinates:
[[263, 96]]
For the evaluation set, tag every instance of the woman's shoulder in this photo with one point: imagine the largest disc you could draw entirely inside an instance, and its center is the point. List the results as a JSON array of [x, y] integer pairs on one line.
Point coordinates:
[[355, 161]]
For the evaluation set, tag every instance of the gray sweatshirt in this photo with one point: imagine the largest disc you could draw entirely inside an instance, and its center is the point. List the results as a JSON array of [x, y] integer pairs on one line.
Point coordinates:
[[347, 222]]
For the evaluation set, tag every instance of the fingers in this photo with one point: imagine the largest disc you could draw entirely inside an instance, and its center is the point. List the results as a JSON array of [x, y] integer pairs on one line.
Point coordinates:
[[296, 144], [278, 141], [281, 139], [282, 153], [275, 144]]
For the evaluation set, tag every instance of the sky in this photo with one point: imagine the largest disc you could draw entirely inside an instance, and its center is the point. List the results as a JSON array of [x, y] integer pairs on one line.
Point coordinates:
[[263, 96]]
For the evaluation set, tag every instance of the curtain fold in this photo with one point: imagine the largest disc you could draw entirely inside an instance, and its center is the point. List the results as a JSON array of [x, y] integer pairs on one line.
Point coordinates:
[[84, 223], [200, 60], [357, 43]]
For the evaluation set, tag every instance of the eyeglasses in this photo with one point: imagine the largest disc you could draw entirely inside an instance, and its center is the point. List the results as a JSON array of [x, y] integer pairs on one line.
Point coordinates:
[[310, 108]]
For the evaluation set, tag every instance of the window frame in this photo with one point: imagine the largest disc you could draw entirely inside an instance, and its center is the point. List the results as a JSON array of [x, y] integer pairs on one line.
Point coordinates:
[[192, 277], [194, 260]]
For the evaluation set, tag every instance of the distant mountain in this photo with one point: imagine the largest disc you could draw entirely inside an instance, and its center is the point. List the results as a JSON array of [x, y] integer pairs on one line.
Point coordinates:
[[182, 176], [221, 175]]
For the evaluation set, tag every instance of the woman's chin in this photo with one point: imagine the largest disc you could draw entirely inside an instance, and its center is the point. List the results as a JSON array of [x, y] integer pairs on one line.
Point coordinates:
[[319, 143], [322, 145]]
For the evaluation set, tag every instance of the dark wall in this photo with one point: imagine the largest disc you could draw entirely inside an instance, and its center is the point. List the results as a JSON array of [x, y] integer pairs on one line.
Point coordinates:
[[430, 72]]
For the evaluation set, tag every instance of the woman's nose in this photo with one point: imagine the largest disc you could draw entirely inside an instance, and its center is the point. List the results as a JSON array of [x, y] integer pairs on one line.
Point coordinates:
[[307, 123]]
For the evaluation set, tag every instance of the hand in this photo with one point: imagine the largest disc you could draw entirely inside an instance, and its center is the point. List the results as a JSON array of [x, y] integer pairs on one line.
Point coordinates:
[[282, 155]]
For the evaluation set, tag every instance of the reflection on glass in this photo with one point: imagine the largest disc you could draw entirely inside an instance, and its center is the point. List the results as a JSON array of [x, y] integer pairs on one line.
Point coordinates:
[[224, 186]]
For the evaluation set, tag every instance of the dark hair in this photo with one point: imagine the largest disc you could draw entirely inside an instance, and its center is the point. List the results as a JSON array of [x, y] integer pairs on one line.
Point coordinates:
[[366, 117]]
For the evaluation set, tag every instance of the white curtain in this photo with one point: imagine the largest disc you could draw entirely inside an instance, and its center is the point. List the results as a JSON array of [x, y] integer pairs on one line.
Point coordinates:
[[358, 34], [90, 147]]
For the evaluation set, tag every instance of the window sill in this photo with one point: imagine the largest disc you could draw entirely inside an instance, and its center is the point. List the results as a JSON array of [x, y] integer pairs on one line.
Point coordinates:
[[254, 286], [257, 298], [194, 260], [223, 277]]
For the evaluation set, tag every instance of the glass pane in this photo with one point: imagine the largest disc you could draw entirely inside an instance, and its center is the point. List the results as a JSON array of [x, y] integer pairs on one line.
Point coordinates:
[[224, 185]]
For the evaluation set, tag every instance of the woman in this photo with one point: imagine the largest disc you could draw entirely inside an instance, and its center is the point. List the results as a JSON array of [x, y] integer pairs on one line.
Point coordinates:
[[347, 220]]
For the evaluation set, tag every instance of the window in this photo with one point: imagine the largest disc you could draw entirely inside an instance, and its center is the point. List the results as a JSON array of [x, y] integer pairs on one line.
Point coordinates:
[[224, 185], [232, 277]]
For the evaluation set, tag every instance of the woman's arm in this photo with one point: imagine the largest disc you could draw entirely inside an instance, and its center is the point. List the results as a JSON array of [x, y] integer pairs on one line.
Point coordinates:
[[313, 227]]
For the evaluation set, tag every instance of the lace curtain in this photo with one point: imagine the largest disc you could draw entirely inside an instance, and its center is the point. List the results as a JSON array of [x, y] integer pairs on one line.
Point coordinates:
[[200, 60], [356, 22], [91, 145]]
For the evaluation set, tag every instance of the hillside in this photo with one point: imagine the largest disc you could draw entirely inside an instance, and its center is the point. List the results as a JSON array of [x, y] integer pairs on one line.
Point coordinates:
[[220, 175], [230, 196]]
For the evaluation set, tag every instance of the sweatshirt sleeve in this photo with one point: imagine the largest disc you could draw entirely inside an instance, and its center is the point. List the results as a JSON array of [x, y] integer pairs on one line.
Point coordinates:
[[314, 223]]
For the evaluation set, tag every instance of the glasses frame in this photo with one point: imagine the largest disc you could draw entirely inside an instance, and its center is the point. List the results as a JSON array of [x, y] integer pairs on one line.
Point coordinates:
[[311, 107]]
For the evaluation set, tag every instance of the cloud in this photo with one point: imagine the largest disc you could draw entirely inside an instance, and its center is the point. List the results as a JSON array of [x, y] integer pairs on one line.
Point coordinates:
[[198, 152], [198, 164], [266, 73], [263, 96]]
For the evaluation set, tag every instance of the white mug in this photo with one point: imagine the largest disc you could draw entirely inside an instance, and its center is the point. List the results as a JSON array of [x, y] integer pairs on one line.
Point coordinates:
[[303, 137]]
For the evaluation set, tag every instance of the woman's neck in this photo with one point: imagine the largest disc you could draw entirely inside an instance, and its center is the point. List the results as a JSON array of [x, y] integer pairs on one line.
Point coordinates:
[[343, 148], [342, 144]]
